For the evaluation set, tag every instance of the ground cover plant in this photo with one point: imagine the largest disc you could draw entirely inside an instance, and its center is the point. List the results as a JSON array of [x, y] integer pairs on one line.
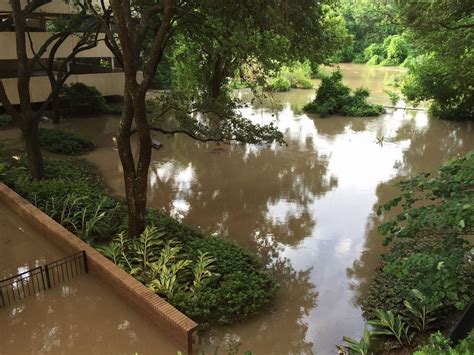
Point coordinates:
[[212, 280], [427, 273], [61, 142], [333, 97]]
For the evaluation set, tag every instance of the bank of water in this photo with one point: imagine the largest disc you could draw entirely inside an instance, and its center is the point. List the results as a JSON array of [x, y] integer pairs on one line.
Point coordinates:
[[307, 208]]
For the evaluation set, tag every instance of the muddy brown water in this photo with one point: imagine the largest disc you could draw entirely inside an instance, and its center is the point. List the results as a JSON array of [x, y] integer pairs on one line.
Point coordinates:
[[81, 316], [307, 209]]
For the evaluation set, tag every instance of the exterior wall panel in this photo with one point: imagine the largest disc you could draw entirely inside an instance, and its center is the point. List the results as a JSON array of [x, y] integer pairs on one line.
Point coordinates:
[[109, 84], [8, 48]]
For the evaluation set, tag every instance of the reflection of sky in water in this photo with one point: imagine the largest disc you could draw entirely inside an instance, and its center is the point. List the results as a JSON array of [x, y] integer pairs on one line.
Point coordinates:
[[182, 178], [360, 154]]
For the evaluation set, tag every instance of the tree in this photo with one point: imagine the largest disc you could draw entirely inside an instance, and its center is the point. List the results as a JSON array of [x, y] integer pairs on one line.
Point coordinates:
[[27, 117], [143, 33], [368, 24], [443, 34]]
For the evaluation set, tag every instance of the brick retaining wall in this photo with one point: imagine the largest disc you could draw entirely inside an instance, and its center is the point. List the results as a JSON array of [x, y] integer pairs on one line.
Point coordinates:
[[170, 321]]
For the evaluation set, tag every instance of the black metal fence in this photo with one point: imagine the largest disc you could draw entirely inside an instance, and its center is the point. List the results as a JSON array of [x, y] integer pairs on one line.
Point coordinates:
[[39, 279]]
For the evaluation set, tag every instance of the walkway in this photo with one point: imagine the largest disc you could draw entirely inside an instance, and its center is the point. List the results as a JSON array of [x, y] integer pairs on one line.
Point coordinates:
[[80, 317]]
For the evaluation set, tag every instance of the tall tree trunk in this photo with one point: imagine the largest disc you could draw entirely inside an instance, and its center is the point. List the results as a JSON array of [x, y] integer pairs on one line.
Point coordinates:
[[33, 151], [28, 120], [56, 110], [135, 174]]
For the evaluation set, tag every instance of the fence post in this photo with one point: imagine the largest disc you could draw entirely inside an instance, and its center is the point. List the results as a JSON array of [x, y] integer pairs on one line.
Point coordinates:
[[46, 272], [86, 266]]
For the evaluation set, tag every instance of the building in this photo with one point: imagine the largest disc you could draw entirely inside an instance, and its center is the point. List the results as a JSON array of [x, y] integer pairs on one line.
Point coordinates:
[[94, 67]]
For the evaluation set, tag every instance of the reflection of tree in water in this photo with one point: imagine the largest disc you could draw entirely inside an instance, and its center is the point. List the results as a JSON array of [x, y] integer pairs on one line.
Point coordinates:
[[260, 198], [239, 191], [430, 148], [281, 330], [435, 145], [363, 269]]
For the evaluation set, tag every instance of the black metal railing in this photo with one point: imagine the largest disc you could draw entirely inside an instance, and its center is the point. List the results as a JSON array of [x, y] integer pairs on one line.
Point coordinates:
[[41, 278]]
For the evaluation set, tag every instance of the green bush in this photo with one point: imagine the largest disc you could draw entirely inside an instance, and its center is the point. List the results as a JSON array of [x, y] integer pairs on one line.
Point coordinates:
[[428, 250], [439, 345], [56, 141], [240, 287], [396, 49], [444, 82], [374, 50], [333, 97], [297, 76], [81, 99], [6, 121], [279, 84]]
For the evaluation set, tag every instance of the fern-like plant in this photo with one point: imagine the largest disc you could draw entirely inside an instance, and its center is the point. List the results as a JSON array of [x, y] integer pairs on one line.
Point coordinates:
[[354, 347], [387, 323], [158, 264], [422, 310]]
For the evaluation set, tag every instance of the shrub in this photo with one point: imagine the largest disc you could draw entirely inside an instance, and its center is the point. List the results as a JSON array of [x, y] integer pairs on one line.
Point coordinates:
[[240, 286], [279, 84], [298, 76], [439, 345], [82, 99], [396, 50], [6, 121], [56, 141], [333, 97], [428, 251], [374, 50], [443, 81]]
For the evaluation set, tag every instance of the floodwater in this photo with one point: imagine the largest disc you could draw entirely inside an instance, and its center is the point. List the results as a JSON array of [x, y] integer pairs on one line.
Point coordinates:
[[308, 209], [79, 317]]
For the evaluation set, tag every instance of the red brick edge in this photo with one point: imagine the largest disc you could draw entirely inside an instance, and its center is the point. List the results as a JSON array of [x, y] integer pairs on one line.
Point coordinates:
[[170, 321]]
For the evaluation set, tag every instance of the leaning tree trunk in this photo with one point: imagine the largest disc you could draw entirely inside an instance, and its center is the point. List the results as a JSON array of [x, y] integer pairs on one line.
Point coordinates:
[[29, 131]]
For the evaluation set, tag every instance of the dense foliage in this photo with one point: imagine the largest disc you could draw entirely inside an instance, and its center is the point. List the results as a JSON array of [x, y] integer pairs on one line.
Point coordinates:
[[372, 31], [80, 99], [61, 142], [297, 76], [393, 51], [212, 280], [439, 345], [442, 34], [428, 250], [333, 97]]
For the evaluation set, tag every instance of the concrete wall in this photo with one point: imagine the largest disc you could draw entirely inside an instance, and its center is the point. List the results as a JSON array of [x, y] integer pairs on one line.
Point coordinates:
[[170, 321]]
